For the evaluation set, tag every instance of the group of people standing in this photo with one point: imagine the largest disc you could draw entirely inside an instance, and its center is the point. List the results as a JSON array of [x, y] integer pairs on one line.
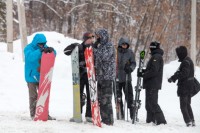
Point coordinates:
[[117, 64]]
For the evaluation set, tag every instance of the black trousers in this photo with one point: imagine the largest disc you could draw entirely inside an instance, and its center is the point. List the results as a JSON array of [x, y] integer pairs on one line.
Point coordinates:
[[128, 96], [154, 112], [186, 109], [84, 83]]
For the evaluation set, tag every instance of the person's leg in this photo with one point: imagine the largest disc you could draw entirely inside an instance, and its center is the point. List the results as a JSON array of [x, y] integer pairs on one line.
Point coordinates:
[[149, 117], [88, 106], [33, 87], [106, 102], [82, 100], [184, 109], [119, 97], [130, 99], [155, 108], [190, 109]]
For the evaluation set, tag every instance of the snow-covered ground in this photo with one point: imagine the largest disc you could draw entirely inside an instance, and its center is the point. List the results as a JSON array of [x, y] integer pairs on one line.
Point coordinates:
[[14, 102]]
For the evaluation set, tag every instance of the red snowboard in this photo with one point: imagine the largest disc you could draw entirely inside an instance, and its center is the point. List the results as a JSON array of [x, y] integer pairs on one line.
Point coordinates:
[[89, 59], [46, 73]]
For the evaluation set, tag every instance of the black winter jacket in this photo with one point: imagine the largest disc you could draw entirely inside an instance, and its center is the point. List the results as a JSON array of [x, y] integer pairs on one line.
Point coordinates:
[[82, 64], [185, 77], [154, 72]]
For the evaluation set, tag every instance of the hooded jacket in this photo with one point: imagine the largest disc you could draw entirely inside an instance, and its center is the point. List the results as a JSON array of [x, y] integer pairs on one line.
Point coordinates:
[[185, 73], [33, 55], [104, 56], [124, 56], [154, 72]]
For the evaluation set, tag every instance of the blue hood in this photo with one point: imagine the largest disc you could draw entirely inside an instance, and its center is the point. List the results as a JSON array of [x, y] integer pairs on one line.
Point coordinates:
[[38, 38]]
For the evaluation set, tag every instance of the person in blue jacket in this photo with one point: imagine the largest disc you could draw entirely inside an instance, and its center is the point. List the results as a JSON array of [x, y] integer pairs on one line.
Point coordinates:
[[33, 53]]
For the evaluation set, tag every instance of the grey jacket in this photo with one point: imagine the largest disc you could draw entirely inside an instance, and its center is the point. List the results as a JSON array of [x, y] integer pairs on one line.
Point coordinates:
[[104, 56], [124, 56]]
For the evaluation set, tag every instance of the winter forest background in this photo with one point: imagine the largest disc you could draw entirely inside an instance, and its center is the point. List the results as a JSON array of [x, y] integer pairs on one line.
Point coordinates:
[[143, 21]]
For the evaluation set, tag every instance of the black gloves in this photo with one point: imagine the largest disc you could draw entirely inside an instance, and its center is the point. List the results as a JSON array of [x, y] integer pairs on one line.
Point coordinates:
[[128, 68], [140, 74], [172, 79], [47, 50]]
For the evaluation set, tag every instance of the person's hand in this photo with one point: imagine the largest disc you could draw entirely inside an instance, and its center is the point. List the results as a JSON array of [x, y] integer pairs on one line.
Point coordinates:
[[48, 50], [172, 79], [128, 68]]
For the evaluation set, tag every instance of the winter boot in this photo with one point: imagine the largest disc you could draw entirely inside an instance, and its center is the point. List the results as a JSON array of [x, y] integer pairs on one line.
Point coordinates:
[[160, 119], [51, 118], [88, 119], [193, 123], [189, 124]]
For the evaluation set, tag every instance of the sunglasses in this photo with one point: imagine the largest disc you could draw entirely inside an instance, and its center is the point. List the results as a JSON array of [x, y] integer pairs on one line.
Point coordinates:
[[90, 37]]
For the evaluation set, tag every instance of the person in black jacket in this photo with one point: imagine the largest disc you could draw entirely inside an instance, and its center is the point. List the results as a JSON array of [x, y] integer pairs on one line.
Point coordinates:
[[88, 39], [125, 66], [152, 82], [185, 77]]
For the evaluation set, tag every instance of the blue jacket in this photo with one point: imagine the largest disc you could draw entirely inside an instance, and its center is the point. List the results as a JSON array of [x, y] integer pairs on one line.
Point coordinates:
[[33, 55]]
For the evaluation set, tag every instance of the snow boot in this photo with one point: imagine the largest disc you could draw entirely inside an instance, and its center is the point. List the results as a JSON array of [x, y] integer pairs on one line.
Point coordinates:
[[193, 123], [51, 118], [189, 124]]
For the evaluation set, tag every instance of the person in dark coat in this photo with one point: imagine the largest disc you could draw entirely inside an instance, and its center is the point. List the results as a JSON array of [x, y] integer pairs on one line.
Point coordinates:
[[88, 39], [152, 82], [105, 66], [125, 66], [185, 77]]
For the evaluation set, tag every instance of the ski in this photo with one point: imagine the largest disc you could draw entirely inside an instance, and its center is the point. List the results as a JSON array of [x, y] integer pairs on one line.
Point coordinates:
[[89, 59], [46, 73], [117, 101], [138, 87]]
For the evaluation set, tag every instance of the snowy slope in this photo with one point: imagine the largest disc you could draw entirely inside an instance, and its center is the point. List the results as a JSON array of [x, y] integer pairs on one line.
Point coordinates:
[[14, 106]]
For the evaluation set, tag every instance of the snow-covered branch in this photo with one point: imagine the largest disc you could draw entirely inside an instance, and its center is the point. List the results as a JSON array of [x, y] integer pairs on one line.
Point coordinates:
[[51, 8]]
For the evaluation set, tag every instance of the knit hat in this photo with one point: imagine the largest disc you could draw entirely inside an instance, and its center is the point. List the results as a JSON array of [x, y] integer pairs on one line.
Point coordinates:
[[154, 45], [87, 35]]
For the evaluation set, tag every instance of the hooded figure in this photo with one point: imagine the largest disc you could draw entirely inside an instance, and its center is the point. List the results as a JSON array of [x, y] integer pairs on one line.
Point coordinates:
[[104, 55], [152, 82], [33, 53], [185, 77], [125, 66]]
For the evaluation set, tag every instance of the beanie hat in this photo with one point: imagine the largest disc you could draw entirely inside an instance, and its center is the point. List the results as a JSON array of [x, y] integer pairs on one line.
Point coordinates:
[[154, 45], [86, 35]]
